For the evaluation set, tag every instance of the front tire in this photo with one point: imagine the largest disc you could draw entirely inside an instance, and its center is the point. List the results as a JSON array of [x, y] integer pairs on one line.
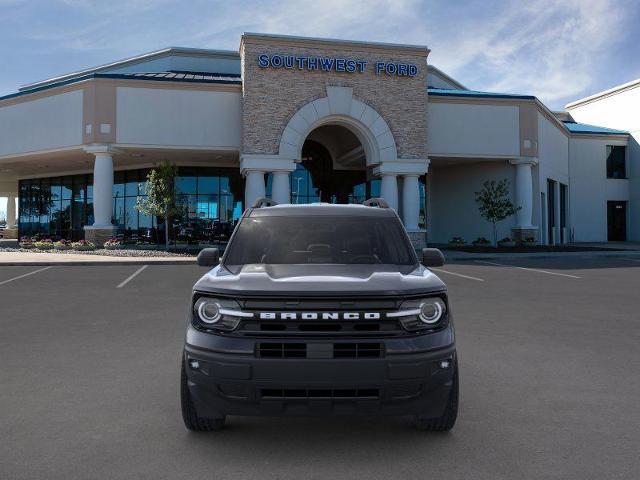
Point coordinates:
[[447, 420], [190, 416]]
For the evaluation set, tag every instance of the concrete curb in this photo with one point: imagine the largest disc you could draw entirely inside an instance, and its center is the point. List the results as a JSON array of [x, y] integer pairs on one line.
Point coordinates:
[[543, 255]]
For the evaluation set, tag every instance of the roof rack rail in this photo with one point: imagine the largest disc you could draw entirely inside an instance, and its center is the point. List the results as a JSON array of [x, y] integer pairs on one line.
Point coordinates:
[[264, 202], [376, 202]]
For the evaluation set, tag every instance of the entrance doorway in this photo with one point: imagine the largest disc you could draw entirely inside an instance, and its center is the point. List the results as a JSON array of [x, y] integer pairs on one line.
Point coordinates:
[[617, 221], [333, 169]]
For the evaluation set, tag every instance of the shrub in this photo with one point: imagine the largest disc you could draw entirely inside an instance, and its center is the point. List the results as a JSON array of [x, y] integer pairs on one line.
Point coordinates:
[[481, 241], [457, 241], [62, 245], [83, 245], [113, 244], [26, 242], [43, 244]]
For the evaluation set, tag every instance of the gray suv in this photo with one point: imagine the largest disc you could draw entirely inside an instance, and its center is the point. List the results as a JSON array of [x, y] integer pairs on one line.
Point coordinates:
[[319, 310]]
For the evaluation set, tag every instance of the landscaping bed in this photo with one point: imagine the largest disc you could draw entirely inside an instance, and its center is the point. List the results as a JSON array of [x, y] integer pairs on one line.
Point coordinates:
[[524, 248], [105, 252]]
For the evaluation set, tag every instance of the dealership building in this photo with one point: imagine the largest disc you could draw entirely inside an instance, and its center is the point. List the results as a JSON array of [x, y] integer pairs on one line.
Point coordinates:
[[305, 120]]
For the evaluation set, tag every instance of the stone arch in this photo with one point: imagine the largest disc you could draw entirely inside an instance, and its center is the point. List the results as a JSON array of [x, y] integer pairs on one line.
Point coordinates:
[[340, 108]]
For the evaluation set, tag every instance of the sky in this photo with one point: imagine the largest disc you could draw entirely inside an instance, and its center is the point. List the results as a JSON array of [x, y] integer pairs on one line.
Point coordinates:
[[557, 50]]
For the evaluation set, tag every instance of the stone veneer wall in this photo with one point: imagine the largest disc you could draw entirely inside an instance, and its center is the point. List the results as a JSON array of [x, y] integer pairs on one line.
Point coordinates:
[[271, 96]]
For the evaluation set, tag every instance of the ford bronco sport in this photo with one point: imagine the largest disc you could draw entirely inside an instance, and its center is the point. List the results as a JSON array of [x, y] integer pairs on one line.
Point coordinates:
[[319, 309]]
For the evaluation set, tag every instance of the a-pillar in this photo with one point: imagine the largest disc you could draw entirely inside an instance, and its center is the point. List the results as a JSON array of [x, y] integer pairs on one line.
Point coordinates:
[[524, 198], [102, 228]]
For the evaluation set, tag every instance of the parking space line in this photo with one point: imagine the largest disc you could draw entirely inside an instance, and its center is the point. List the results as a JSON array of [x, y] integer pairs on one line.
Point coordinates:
[[25, 275], [132, 276], [529, 269], [457, 274]]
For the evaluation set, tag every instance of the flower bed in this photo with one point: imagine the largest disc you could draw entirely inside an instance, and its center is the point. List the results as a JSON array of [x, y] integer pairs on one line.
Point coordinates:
[[83, 246], [113, 244]]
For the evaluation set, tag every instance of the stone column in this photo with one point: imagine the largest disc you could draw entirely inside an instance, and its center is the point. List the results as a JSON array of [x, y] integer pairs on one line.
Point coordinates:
[[102, 229], [411, 202], [254, 187], [280, 188], [389, 189], [524, 197], [11, 212]]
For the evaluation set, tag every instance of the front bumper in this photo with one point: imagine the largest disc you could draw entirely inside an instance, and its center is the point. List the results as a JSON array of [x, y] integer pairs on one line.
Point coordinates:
[[231, 380]]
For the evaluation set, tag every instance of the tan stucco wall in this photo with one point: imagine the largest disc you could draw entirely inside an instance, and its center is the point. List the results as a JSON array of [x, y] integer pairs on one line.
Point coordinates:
[[271, 96]]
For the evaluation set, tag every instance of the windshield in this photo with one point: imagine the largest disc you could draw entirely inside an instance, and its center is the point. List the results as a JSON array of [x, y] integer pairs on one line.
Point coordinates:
[[319, 240]]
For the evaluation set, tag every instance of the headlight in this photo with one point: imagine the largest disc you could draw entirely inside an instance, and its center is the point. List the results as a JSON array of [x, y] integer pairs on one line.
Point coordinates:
[[208, 310], [431, 310], [217, 314], [422, 314]]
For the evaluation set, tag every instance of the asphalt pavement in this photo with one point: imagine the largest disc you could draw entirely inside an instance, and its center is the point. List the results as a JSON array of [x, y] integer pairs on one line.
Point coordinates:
[[549, 369]]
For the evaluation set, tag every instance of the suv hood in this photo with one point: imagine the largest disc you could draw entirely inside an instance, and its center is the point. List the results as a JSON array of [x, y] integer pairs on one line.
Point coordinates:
[[319, 280]]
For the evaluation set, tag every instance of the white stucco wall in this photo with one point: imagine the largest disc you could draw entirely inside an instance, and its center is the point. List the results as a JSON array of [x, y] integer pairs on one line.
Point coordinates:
[[452, 207], [42, 124], [553, 164], [190, 118], [620, 111], [590, 189], [466, 129]]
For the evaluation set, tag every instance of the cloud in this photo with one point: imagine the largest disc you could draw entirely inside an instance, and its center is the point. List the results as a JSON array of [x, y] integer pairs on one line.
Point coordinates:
[[557, 50], [550, 49]]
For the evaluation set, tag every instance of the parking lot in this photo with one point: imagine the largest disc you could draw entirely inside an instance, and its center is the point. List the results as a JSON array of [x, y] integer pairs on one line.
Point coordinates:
[[549, 359]]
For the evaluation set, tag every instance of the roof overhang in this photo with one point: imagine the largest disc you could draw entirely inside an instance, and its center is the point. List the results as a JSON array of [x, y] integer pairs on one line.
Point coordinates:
[[145, 57]]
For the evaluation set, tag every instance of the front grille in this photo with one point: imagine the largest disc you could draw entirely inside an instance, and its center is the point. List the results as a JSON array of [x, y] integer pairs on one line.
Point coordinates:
[[357, 350], [319, 350], [322, 393], [333, 328], [282, 350]]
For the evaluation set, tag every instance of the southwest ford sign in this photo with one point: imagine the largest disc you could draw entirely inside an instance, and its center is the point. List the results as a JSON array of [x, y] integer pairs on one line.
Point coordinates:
[[334, 64]]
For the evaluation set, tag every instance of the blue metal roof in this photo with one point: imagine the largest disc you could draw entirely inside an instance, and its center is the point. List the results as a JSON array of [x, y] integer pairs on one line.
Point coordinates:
[[445, 92], [585, 128], [188, 77]]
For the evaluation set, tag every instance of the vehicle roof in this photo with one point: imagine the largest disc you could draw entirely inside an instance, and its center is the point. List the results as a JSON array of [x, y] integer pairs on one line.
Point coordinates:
[[320, 209]]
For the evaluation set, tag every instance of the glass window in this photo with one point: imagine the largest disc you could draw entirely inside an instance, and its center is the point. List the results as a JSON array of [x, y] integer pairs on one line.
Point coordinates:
[[616, 161], [131, 184], [186, 184], [67, 188], [62, 206], [369, 240], [208, 185], [131, 214], [118, 184]]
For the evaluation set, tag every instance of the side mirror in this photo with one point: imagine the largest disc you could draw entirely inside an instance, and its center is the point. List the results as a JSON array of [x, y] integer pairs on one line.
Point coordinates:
[[208, 257], [432, 257]]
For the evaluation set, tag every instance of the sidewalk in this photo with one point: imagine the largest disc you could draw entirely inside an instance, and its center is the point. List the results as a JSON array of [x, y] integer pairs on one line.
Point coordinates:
[[32, 258], [457, 256]]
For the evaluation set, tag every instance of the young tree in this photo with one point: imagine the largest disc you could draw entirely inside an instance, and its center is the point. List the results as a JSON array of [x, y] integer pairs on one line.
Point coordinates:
[[161, 198], [494, 203]]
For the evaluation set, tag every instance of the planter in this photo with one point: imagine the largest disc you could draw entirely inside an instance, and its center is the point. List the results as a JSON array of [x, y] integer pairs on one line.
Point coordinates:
[[62, 247], [506, 244], [43, 246], [529, 244]]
